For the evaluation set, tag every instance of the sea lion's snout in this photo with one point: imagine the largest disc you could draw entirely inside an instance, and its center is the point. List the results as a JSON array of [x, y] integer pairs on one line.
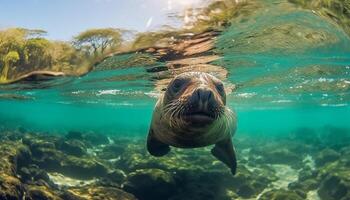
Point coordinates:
[[202, 96], [202, 107]]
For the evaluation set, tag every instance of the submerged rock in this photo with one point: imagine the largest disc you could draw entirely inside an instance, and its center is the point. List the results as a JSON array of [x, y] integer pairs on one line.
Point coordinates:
[[194, 185], [116, 176], [72, 147], [281, 156], [10, 186], [41, 193], [74, 135], [307, 180], [66, 182], [83, 168], [335, 187], [96, 139], [112, 151], [149, 184], [33, 173], [55, 155], [93, 192], [281, 195], [91, 138], [334, 179], [48, 170], [326, 156]]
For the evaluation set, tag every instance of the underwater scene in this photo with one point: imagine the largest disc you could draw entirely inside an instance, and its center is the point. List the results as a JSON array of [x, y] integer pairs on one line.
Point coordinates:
[[180, 100]]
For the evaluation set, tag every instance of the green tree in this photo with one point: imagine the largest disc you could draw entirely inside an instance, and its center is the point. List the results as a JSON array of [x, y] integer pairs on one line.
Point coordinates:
[[25, 50], [11, 40], [95, 41], [10, 59], [33, 33], [64, 56], [37, 52]]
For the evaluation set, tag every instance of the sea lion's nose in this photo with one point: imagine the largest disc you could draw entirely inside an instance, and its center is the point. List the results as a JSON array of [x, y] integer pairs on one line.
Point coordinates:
[[203, 95]]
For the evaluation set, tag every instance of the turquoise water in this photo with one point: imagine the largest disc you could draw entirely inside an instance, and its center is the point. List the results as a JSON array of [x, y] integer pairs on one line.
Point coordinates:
[[132, 116], [270, 98], [285, 83]]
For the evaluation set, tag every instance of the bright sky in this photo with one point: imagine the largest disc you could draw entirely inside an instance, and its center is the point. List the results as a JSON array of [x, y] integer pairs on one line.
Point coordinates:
[[65, 18]]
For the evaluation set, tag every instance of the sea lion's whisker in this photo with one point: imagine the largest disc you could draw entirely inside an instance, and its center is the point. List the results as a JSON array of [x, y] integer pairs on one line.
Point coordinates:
[[170, 107], [181, 110], [177, 116]]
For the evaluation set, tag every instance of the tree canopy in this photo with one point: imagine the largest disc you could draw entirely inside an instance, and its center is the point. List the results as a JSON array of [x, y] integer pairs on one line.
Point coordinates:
[[97, 41], [24, 50]]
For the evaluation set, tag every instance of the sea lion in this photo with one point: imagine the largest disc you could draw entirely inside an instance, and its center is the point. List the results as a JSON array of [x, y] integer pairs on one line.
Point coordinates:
[[192, 113]]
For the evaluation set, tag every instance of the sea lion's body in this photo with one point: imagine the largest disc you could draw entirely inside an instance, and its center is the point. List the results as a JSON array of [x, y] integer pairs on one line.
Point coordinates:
[[192, 113]]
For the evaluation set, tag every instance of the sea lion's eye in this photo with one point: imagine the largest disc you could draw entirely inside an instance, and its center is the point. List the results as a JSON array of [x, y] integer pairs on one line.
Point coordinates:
[[177, 84], [220, 87]]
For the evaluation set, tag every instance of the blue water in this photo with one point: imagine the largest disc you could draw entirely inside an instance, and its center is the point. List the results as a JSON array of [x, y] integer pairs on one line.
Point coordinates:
[[285, 81], [113, 108]]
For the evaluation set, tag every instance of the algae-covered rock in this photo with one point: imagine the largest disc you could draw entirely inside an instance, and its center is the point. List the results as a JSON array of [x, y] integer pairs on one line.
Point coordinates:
[[116, 176], [41, 193], [280, 194], [335, 179], [48, 157], [93, 192], [82, 168], [72, 147], [136, 157], [281, 156], [307, 180], [150, 184], [305, 185], [194, 185], [111, 151], [10, 186], [96, 139], [90, 138], [249, 183], [23, 156], [335, 187], [326, 156], [33, 173]]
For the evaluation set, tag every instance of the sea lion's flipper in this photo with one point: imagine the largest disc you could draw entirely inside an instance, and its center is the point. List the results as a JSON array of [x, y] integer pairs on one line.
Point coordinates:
[[156, 147], [225, 152]]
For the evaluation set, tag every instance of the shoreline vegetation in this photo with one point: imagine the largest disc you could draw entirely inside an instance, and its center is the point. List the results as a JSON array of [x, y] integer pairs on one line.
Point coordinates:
[[26, 53]]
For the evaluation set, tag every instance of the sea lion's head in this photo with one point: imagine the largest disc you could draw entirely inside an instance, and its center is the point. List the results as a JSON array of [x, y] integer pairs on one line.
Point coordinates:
[[194, 98]]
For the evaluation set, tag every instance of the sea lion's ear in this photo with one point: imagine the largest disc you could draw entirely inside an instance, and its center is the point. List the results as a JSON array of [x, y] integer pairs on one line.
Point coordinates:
[[156, 147], [225, 152]]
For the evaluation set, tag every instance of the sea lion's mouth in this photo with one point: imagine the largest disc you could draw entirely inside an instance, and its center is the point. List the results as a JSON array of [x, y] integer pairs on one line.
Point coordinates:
[[199, 117]]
